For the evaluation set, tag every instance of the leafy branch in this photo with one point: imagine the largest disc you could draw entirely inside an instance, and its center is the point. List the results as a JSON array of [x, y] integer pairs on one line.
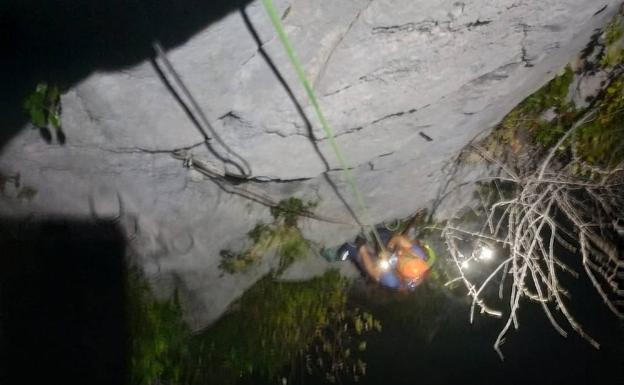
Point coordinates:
[[282, 236], [44, 106]]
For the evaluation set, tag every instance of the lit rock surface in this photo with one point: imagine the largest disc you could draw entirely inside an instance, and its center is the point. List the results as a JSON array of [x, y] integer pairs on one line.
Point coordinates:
[[405, 84]]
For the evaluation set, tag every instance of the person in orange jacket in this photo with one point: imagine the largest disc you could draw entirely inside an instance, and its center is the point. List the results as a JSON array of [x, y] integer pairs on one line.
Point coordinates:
[[413, 260], [402, 264]]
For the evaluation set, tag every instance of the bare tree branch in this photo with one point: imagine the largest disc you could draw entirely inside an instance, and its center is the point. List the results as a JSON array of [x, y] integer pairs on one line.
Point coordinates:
[[552, 210]]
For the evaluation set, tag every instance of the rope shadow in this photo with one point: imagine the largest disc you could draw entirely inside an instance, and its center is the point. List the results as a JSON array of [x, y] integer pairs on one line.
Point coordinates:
[[194, 112], [63, 42], [298, 108]]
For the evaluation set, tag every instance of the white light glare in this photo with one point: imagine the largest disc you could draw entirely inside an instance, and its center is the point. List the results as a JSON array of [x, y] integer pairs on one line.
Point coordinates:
[[385, 265], [486, 253], [464, 265]]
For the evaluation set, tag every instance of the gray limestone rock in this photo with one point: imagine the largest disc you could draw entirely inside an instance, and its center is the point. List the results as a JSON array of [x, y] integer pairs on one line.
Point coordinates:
[[406, 84]]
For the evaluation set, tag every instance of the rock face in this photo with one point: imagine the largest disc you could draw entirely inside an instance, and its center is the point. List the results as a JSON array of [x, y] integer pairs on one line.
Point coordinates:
[[404, 83]]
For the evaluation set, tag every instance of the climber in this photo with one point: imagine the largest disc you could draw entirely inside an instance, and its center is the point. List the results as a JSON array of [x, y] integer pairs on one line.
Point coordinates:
[[402, 265], [413, 259], [381, 267]]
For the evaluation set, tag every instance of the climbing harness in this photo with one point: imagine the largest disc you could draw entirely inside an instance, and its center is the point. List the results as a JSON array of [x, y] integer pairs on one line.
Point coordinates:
[[279, 29]]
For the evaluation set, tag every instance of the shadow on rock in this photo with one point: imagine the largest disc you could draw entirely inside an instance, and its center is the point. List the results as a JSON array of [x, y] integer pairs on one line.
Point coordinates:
[[66, 41], [62, 307]]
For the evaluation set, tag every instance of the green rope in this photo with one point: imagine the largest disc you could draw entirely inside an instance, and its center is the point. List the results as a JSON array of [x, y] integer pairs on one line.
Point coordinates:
[[277, 23], [432, 257]]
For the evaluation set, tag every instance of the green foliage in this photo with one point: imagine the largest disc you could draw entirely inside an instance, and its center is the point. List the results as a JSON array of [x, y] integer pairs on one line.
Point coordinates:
[[601, 141], [614, 52], [290, 246], [275, 321], [275, 325], [547, 133], [613, 32], [233, 263], [290, 209], [158, 335], [552, 95], [282, 236], [44, 106], [612, 57], [260, 232], [527, 116], [335, 352], [272, 327], [287, 241]]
